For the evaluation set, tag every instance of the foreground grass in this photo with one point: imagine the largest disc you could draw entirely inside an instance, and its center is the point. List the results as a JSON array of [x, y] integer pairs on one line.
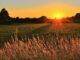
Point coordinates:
[[50, 46], [40, 42]]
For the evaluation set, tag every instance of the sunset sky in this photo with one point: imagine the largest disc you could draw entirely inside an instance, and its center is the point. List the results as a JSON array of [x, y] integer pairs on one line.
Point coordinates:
[[37, 8]]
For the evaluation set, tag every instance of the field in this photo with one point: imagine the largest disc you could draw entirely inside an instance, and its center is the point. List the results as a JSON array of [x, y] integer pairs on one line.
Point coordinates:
[[40, 42], [6, 31]]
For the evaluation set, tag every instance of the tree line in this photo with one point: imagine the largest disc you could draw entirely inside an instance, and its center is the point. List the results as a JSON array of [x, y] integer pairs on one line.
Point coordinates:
[[6, 19]]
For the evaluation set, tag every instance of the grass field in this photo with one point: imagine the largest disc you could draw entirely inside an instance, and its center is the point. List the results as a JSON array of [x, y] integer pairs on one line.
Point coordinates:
[[40, 42], [7, 30]]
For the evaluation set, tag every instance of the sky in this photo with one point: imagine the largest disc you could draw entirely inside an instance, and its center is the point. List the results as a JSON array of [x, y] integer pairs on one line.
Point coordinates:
[[37, 8]]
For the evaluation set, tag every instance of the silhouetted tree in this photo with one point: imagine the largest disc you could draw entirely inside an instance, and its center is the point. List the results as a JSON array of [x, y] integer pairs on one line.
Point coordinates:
[[42, 19], [4, 16], [76, 18], [77, 15], [6, 19]]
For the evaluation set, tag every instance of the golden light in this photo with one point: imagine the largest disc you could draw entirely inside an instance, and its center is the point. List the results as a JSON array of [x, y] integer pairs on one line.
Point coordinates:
[[58, 15]]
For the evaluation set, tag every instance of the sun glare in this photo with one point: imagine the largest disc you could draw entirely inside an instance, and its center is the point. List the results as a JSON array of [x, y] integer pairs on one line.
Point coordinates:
[[58, 15]]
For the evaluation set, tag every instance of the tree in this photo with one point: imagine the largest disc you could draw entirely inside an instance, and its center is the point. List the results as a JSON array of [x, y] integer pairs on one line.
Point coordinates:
[[43, 19], [77, 18], [4, 16], [77, 15]]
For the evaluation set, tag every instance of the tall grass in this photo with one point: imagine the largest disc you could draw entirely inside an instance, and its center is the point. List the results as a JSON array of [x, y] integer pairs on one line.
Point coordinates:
[[50, 46]]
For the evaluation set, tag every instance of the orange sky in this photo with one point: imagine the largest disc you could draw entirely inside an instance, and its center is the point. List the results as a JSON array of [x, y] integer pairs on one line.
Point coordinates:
[[46, 10]]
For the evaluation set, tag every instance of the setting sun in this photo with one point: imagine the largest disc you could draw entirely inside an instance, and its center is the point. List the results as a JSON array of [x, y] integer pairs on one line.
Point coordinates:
[[58, 15]]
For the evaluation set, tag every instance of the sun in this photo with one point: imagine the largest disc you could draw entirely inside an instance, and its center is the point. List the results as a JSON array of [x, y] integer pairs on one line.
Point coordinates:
[[58, 15]]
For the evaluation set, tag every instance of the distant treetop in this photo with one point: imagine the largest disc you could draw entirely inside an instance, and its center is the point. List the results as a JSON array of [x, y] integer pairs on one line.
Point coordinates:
[[4, 12]]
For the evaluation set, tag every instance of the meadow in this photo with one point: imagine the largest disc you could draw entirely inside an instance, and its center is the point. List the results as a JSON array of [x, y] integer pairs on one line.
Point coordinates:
[[40, 42]]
